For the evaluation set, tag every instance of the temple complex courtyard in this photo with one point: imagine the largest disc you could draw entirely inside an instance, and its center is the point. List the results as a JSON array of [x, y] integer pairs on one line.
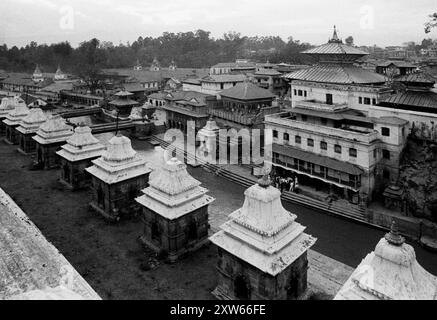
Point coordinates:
[[112, 260]]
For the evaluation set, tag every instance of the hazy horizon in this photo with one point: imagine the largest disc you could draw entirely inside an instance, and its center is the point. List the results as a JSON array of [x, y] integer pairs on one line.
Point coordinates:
[[383, 23]]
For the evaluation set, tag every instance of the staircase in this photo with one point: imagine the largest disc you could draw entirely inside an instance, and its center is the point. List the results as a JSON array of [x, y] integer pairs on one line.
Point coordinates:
[[355, 213]]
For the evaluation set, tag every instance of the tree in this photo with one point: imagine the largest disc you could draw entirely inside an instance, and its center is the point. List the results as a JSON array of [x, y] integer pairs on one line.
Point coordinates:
[[90, 60], [349, 41], [432, 23]]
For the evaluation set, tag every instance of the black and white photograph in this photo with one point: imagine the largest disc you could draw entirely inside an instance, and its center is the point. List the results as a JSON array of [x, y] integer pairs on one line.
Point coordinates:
[[219, 155]]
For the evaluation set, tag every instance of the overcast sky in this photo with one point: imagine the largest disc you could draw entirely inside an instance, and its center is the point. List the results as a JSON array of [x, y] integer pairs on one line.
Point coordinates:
[[381, 22]]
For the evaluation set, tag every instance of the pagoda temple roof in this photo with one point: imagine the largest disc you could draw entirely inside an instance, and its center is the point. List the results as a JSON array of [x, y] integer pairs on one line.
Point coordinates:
[[119, 162], [173, 192], [417, 77], [426, 100], [81, 145], [336, 73], [267, 72], [54, 130], [391, 272], [247, 91], [337, 49], [32, 122], [262, 233], [16, 115]]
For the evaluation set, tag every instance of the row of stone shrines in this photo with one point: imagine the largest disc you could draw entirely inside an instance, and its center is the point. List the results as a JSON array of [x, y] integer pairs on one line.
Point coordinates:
[[262, 251]]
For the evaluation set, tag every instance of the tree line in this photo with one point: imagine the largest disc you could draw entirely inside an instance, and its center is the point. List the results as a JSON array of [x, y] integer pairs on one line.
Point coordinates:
[[188, 49]]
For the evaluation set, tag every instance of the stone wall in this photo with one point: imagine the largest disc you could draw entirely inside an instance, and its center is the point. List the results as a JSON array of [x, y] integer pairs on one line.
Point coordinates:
[[175, 237], [75, 176], [46, 154], [288, 285], [118, 200]]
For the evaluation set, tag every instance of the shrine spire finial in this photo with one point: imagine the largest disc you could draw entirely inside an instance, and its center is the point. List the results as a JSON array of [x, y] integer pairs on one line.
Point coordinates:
[[393, 237], [335, 38]]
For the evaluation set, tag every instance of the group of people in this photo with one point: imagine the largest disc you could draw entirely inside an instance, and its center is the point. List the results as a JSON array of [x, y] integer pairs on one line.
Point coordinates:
[[287, 184]]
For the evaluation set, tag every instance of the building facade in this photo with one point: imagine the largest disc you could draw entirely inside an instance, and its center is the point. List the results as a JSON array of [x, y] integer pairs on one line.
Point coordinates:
[[13, 121]]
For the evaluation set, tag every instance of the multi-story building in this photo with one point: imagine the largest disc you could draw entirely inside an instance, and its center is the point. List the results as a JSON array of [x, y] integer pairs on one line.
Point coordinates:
[[215, 84], [271, 80], [327, 138]]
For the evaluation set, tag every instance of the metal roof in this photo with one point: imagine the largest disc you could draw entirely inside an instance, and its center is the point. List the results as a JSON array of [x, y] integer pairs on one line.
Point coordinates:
[[418, 77], [247, 91], [336, 48], [422, 99], [337, 74]]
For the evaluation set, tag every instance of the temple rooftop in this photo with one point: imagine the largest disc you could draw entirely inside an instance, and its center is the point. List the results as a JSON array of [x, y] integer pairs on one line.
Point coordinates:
[[173, 192], [16, 115], [54, 130], [247, 91], [262, 233], [119, 162], [32, 122], [81, 145], [391, 272], [6, 106]]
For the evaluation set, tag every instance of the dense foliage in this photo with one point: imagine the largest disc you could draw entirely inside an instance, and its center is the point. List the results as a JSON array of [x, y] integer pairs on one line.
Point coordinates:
[[189, 49]]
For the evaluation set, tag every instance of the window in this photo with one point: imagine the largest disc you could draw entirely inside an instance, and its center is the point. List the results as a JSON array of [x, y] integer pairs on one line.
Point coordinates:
[[367, 101], [375, 153], [304, 118], [386, 174], [305, 93], [295, 92], [337, 148], [360, 100], [323, 145], [352, 152], [403, 132], [386, 154], [299, 93], [385, 131], [222, 86], [286, 137], [328, 98], [275, 134], [310, 143], [298, 139], [324, 121], [374, 101]]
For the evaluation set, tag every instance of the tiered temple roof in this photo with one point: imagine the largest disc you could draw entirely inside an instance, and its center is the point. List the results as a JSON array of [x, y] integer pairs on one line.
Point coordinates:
[[31, 123], [119, 162], [391, 272], [81, 145], [173, 192], [335, 65], [16, 115], [262, 232], [54, 130]]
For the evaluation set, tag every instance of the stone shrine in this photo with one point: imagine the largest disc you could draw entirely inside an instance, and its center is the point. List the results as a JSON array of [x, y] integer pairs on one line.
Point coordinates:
[[13, 121], [175, 211], [391, 272], [262, 250], [28, 128], [49, 138], [75, 156], [117, 178], [6, 106]]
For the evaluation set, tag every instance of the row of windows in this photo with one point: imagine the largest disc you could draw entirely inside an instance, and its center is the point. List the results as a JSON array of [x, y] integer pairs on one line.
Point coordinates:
[[310, 143], [367, 101], [300, 93], [324, 146]]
